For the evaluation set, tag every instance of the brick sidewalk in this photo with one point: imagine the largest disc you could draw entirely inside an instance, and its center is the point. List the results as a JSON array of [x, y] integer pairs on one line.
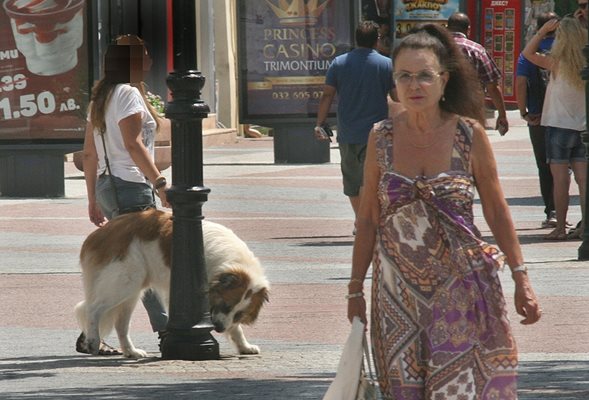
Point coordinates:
[[298, 223]]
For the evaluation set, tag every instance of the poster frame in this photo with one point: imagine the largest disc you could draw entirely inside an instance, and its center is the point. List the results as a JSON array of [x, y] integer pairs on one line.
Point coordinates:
[[274, 119], [74, 141]]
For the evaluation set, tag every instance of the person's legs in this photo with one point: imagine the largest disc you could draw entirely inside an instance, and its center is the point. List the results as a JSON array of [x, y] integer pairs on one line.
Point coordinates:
[[538, 140], [560, 175], [558, 152], [157, 313], [580, 171], [352, 167], [579, 167], [355, 202]]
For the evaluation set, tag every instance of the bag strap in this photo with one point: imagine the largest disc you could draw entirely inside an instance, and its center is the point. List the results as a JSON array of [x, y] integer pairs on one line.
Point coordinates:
[[111, 177]]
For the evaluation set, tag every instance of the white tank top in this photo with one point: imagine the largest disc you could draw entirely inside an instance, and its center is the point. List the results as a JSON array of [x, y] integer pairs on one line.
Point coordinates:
[[564, 105]]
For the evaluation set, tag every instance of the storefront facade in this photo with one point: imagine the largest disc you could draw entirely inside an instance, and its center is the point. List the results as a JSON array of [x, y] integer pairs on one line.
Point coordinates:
[[43, 101]]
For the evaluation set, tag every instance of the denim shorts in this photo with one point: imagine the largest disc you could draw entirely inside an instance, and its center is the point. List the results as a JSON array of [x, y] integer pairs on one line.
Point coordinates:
[[128, 196], [352, 166], [563, 146]]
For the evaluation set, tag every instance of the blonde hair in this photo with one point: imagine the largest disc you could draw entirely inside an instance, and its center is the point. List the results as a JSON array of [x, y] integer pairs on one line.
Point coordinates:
[[567, 50], [102, 90]]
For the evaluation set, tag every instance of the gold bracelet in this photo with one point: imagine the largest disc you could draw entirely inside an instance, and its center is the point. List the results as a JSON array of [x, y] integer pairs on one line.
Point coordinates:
[[361, 281]]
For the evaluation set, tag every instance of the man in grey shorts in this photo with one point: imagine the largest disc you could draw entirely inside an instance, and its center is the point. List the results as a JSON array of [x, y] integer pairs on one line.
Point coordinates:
[[361, 79]]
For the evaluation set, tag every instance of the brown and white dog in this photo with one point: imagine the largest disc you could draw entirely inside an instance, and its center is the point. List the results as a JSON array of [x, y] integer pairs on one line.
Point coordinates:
[[133, 252]]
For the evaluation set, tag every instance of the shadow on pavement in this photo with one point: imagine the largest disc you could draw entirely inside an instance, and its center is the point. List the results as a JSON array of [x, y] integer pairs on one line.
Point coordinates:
[[537, 201], [226, 389], [139, 382], [538, 380], [327, 244], [551, 380], [526, 238], [201, 390], [539, 238], [533, 201]]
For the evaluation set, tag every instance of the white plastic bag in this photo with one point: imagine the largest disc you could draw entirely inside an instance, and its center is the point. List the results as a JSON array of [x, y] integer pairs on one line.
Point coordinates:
[[347, 378], [368, 387]]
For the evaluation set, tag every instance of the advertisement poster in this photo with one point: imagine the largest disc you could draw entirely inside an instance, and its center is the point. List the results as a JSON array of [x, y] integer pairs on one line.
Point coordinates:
[[500, 35], [286, 47], [43, 70], [409, 13]]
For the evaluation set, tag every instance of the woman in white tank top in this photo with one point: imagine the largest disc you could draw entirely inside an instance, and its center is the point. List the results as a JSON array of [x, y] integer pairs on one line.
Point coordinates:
[[564, 113]]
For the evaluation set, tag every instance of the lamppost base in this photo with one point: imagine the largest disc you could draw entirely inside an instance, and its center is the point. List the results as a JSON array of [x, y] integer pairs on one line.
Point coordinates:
[[583, 251], [189, 347]]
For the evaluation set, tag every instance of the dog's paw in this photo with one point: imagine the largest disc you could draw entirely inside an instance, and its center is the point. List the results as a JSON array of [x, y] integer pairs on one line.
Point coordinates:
[[135, 353], [249, 349]]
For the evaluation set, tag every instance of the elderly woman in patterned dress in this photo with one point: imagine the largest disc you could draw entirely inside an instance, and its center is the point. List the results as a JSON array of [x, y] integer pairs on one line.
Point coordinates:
[[439, 323]]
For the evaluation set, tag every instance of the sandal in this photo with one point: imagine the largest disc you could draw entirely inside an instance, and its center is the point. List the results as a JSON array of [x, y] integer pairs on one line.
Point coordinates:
[[105, 349], [556, 235], [576, 233]]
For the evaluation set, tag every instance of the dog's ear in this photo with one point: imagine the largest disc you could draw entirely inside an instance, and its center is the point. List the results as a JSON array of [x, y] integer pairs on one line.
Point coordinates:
[[229, 280]]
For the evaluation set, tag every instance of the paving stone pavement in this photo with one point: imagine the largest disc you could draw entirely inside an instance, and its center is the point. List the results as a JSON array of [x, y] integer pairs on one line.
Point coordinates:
[[297, 221]]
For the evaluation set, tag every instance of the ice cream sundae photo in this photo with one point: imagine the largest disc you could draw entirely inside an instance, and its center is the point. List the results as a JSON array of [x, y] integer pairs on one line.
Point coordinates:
[[47, 32]]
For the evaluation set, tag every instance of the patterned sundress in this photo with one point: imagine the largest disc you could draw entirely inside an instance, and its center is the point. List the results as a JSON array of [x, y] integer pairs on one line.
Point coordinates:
[[439, 323]]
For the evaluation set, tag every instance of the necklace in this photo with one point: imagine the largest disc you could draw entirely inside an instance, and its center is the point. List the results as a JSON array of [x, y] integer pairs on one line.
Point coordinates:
[[439, 132], [438, 135], [435, 140]]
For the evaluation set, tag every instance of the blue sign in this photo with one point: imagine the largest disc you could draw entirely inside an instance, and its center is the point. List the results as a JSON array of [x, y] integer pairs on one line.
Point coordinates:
[[423, 10]]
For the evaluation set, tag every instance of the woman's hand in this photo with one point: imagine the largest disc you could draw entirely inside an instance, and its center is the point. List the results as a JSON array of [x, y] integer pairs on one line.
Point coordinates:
[[95, 214], [357, 308], [526, 302], [533, 119], [163, 197], [548, 27]]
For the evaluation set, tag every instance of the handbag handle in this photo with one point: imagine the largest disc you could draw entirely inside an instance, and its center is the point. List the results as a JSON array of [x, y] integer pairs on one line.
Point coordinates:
[[367, 357]]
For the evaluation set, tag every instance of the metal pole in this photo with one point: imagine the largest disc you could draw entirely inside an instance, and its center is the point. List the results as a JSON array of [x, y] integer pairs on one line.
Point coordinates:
[[583, 252], [189, 327]]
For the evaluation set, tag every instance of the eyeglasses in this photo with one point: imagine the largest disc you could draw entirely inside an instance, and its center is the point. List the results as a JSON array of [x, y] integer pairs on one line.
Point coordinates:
[[424, 77], [582, 6]]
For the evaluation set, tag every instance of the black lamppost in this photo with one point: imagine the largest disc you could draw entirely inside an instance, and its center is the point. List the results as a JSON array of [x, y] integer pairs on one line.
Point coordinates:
[[189, 327], [583, 252]]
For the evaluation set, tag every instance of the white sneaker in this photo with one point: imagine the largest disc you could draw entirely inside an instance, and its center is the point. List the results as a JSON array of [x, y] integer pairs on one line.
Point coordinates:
[[550, 222]]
